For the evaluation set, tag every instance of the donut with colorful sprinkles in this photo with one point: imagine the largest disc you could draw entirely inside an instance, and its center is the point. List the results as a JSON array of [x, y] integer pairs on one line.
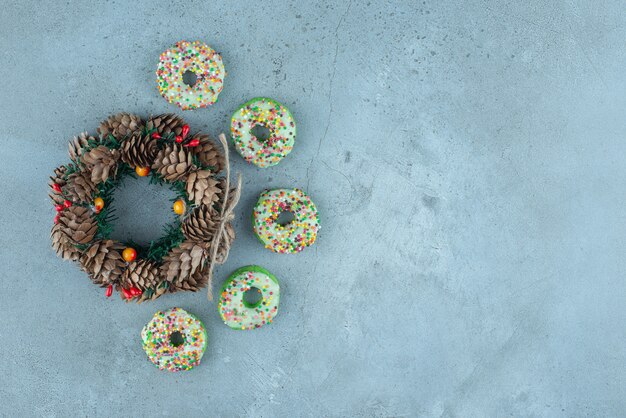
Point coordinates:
[[294, 236], [236, 311], [276, 118], [199, 59], [174, 340]]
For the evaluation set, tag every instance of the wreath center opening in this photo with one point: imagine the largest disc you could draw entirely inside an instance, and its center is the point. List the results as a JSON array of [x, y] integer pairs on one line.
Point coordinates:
[[142, 210]]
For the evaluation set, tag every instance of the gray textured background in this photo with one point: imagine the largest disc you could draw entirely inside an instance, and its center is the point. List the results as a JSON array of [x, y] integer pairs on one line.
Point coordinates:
[[468, 161]]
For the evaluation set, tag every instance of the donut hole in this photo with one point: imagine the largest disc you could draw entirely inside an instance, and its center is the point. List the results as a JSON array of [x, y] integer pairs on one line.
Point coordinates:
[[177, 339], [261, 132], [252, 297], [190, 78], [285, 218]]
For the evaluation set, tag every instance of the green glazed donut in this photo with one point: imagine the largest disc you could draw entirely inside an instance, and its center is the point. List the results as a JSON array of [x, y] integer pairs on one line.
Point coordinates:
[[236, 312], [276, 118], [296, 235], [174, 340]]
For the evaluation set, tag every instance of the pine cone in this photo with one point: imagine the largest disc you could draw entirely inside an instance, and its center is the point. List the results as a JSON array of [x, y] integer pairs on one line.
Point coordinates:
[[78, 144], [196, 281], [120, 125], [79, 187], [58, 178], [225, 243], [200, 224], [166, 124], [182, 262], [142, 274], [104, 263], [139, 150], [208, 153], [173, 162], [102, 162], [62, 244], [153, 293], [202, 188], [78, 224]]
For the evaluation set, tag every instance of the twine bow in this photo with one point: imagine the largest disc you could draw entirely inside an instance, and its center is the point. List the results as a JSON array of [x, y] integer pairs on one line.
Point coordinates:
[[226, 214]]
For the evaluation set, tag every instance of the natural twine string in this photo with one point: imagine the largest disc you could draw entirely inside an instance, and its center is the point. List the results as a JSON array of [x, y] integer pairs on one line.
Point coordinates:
[[226, 214]]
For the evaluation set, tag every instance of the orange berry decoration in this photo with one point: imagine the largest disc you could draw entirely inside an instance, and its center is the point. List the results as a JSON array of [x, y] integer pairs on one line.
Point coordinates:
[[179, 207], [142, 171], [98, 204], [129, 254]]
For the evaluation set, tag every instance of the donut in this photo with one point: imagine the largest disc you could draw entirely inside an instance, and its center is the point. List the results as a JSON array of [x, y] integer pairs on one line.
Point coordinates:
[[272, 115], [294, 236], [237, 312], [198, 58], [174, 340]]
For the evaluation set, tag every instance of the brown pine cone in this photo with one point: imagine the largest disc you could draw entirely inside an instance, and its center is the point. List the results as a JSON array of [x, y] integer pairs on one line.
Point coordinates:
[[166, 124], [200, 224], [78, 224], [59, 179], [173, 162], [202, 188], [182, 262], [79, 187], [153, 293], [142, 274], [225, 243], [120, 125], [139, 150], [208, 153], [102, 162], [62, 244], [194, 282], [103, 262], [78, 144]]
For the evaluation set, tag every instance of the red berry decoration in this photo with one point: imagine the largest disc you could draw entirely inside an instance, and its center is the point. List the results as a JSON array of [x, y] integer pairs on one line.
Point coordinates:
[[58, 208], [56, 219], [179, 139], [185, 131], [193, 143], [56, 188], [109, 291], [156, 135], [67, 203], [127, 293], [135, 291]]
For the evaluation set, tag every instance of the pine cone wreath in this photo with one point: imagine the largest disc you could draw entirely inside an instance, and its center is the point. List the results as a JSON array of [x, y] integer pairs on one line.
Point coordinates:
[[166, 124], [120, 125], [79, 187], [139, 150], [102, 162], [78, 145], [200, 225], [208, 153], [182, 262], [202, 188], [103, 262], [173, 162]]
